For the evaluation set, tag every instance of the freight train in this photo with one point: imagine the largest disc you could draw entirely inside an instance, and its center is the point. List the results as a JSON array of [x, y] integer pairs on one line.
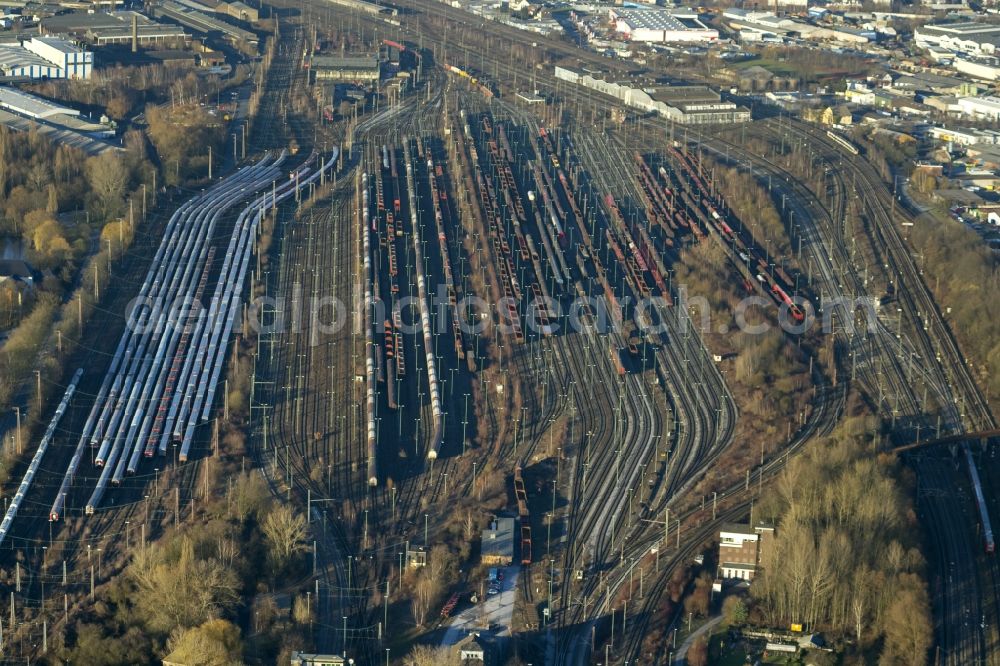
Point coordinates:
[[687, 185], [486, 88]]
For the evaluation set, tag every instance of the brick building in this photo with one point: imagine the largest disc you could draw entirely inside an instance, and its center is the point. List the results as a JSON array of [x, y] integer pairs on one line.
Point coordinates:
[[741, 548]]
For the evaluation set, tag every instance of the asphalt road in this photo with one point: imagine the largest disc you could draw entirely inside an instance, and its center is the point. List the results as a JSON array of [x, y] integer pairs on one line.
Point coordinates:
[[681, 657], [495, 611]]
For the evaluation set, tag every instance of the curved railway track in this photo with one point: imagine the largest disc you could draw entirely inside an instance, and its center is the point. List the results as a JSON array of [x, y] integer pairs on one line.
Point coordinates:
[[884, 361], [895, 380]]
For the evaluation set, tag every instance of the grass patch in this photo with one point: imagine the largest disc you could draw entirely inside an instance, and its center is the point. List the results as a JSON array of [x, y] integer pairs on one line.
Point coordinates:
[[722, 653]]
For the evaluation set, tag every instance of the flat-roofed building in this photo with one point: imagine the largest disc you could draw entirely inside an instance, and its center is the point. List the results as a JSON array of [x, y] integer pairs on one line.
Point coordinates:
[[741, 548], [349, 68], [982, 68], [30, 105], [153, 33], [741, 18], [498, 542], [75, 63], [686, 105], [416, 556], [239, 11], [105, 28], [969, 37], [987, 107], [659, 25], [699, 105], [964, 136], [945, 5], [77, 23]]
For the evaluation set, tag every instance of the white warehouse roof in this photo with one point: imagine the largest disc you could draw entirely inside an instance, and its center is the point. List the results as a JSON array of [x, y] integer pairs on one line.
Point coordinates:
[[965, 28], [58, 44], [14, 55], [650, 19], [658, 24], [31, 106]]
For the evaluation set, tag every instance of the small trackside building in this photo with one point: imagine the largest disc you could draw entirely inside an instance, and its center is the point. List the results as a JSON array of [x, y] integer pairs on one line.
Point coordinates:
[[309, 659], [498, 542]]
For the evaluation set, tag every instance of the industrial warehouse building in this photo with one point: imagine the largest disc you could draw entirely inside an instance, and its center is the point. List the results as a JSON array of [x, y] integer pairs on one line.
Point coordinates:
[[111, 27], [986, 107], [31, 106], [698, 105], [657, 25], [188, 15], [741, 548], [356, 69], [45, 58], [22, 112], [152, 33], [55, 115], [970, 38], [498, 543], [16, 61], [238, 10], [685, 105]]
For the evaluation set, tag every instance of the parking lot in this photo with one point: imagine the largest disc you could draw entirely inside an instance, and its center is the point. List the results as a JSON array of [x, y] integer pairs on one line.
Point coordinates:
[[495, 612]]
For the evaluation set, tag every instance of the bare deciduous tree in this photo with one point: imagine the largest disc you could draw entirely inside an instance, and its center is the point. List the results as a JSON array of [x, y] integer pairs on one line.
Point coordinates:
[[426, 655], [908, 631], [698, 652], [425, 592], [249, 494], [840, 558], [180, 590], [214, 643], [108, 179], [285, 532]]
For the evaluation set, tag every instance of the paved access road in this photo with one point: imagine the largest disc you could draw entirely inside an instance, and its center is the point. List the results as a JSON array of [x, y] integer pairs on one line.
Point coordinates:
[[681, 657], [497, 609]]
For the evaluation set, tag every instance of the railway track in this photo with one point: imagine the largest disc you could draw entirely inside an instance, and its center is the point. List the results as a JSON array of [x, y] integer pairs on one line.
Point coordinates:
[[304, 444], [970, 616], [883, 360], [581, 368], [896, 381]]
